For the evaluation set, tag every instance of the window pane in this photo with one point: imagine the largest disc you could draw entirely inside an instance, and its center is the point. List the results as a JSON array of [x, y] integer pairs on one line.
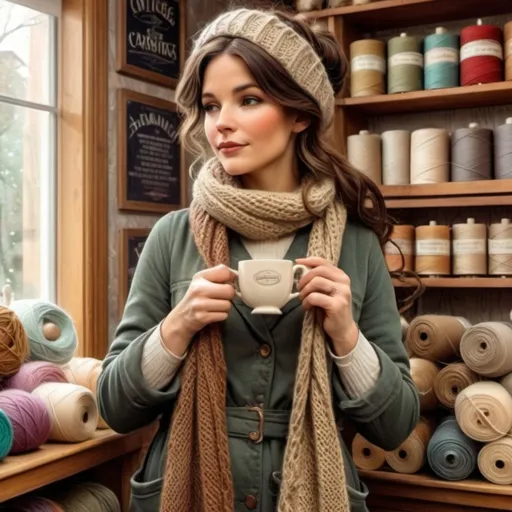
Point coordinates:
[[27, 52], [27, 201]]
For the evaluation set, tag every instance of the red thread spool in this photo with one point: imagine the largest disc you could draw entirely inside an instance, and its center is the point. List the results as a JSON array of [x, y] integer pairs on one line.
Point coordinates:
[[481, 54]]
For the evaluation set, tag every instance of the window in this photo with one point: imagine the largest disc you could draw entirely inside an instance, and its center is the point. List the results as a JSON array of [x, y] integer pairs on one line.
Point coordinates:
[[28, 146]]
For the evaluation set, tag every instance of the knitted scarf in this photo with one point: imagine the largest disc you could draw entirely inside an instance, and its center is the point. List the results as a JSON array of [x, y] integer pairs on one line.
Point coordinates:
[[198, 475]]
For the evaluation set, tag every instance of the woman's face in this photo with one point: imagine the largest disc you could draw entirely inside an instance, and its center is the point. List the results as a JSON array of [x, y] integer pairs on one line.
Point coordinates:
[[248, 131]]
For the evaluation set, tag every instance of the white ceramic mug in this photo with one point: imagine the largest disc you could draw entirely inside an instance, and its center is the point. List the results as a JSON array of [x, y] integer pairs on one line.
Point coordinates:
[[266, 285]]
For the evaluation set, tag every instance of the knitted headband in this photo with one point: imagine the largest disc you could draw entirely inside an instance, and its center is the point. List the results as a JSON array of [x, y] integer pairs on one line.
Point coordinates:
[[281, 42]]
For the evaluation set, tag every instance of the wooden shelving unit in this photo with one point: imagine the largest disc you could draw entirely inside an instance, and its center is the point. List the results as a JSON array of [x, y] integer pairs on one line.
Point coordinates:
[[457, 282], [112, 456], [390, 491], [423, 487]]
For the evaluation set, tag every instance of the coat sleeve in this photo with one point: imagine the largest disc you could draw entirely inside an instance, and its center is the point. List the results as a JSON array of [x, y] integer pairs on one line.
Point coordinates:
[[388, 412], [126, 401]]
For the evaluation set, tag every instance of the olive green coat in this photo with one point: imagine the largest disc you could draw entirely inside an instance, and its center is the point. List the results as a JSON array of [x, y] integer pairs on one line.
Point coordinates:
[[256, 376]]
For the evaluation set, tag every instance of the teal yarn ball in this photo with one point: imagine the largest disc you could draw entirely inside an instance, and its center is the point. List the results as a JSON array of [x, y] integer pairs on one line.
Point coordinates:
[[6, 435], [34, 314]]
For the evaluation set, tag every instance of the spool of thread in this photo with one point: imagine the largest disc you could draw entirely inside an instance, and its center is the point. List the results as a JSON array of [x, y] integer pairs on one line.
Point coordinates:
[[35, 373], [366, 455], [451, 380], [404, 325], [405, 64], [6, 435], [508, 50], [403, 238], [62, 343], [73, 411], [469, 249], [88, 497], [84, 371], [29, 418], [506, 382], [14, 346], [481, 54], [472, 156], [500, 248], [484, 411], [487, 348], [503, 151], [436, 337], [364, 153], [432, 251], [495, 461], [367, 68], [441, 59], [411, 455], [430, 156], [451, 454], [396, 157], [423, 374]]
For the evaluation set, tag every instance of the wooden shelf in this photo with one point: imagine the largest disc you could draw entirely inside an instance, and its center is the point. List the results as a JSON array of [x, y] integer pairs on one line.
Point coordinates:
[[470, 96], [425, 487], [21, 474], [472, 193], [457, 282], [388, 14]]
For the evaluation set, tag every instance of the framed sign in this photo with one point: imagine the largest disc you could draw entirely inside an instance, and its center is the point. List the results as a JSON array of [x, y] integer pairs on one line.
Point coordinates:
[[131, 243], [151, 37], [150, 160]]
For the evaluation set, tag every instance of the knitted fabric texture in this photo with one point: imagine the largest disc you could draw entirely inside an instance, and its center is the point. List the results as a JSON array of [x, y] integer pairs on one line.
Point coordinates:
[[285, 45], [198, 475]]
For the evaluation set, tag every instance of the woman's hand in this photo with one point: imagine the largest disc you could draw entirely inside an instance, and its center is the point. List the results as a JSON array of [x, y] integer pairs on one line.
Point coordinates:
[[207, 300], [327, 287]]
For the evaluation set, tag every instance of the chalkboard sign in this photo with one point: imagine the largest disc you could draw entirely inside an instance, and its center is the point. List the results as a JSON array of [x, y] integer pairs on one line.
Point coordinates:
[[131, 243], [150, 160], [151, 39]]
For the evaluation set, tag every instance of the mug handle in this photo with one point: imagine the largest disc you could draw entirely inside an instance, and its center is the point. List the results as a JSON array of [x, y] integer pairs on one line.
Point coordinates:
[[237, 276], [305, 270]]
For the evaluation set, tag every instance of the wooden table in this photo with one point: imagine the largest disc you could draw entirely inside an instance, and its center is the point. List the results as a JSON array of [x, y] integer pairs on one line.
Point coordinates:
[[390, 491], [111, 457]]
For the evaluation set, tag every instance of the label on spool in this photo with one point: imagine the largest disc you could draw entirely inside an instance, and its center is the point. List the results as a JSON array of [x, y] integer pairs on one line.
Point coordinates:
[[406, 59], [368, 63], [406, 246], [437, 55], [469, 246], [433, 247], [481, 48], [503, 246]]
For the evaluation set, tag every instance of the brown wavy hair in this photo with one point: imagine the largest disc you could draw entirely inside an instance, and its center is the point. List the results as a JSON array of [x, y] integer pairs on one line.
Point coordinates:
[[316, 156]]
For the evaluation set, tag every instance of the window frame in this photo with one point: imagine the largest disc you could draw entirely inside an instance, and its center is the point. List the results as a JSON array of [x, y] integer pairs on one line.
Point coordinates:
[[82, 176]]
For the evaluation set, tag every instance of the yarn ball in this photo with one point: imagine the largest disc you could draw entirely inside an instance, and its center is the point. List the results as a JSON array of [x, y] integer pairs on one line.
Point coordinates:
[[6, 435], [33, 374], [33, 504], [29, 418], [14, 345], [89, 497], [61, 343]]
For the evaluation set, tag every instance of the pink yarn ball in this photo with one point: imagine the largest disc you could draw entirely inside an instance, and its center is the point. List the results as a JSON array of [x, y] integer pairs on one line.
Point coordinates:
[[30, 420], [33, 374]]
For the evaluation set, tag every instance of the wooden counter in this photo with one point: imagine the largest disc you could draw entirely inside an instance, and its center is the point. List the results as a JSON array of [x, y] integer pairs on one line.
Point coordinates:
[[422, 492], [111, 456]]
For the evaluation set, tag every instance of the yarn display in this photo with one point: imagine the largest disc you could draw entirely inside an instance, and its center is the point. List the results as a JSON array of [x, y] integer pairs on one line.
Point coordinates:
[[29, 418], [51, 332], [14, 347]]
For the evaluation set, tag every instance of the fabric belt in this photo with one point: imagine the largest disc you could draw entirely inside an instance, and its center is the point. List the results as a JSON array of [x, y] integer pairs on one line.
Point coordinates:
[[256, 423]]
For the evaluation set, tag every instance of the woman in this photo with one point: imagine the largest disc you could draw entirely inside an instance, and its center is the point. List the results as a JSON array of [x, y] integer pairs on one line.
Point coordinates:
[[251, 406]]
